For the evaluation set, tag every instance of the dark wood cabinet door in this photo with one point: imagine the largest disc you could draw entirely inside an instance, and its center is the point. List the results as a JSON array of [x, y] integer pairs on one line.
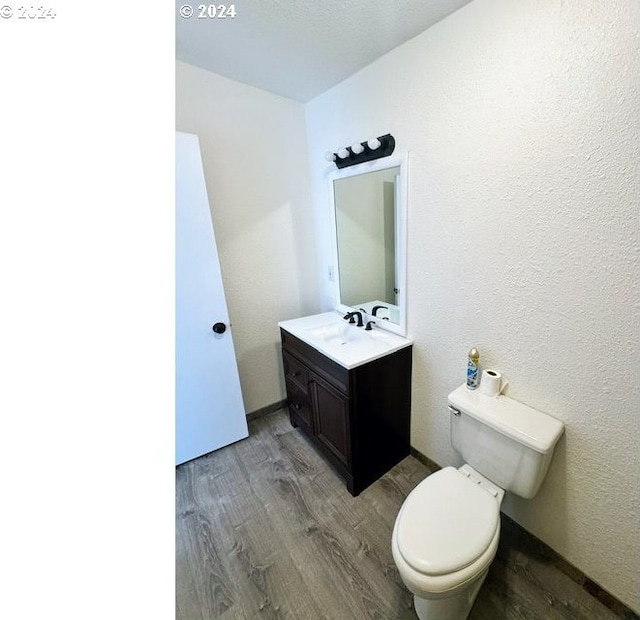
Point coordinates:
[[331, 418], [358, 418]]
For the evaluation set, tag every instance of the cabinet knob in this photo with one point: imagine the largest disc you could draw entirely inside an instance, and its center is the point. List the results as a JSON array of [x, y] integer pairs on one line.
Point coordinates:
[[219, 328]]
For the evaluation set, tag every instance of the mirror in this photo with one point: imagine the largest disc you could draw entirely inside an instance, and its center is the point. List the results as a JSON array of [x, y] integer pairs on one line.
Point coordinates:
[[369, 207]]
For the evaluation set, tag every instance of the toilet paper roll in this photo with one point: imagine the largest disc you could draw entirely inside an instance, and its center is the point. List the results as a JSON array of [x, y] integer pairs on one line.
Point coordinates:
[[492, 382]]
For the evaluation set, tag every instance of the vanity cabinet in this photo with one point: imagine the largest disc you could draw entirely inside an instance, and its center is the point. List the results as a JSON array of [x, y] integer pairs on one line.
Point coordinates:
[[358, 418]]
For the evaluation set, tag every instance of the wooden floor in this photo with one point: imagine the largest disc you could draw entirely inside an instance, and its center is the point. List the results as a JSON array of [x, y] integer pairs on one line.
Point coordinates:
[[266, 529]]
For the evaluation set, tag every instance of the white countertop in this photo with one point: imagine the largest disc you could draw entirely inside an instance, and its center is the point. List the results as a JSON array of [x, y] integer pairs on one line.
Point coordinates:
[[342, 342]]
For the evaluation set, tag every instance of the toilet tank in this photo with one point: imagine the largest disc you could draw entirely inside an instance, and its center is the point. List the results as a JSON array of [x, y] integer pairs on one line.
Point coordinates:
[[504, 440]]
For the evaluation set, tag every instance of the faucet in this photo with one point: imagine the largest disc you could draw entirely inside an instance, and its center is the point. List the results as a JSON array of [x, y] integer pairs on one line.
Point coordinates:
[[376, 308], [350, 316]]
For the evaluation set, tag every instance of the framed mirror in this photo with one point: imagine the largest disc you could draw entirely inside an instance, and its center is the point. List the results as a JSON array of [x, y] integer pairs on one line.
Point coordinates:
[[369, 204]]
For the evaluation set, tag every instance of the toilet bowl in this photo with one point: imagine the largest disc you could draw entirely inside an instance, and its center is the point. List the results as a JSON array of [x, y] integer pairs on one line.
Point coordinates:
[[447, 531], [444, 540]]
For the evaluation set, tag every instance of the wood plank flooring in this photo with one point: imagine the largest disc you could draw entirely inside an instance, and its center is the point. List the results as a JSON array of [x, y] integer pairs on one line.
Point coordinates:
[[266, 529]]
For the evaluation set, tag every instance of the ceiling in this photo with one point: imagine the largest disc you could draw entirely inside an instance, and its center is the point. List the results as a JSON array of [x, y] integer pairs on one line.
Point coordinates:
[[301, 48]]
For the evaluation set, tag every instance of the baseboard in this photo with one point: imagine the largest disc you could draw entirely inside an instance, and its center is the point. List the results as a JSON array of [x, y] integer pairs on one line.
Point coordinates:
[[426, 461], [263, 411], [514, 532]]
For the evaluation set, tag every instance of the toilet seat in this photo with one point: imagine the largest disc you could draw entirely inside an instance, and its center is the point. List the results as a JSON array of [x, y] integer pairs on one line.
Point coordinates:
[[446, 524]]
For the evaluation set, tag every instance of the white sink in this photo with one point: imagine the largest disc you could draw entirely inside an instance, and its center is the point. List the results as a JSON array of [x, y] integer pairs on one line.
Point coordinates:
[[344, 343]]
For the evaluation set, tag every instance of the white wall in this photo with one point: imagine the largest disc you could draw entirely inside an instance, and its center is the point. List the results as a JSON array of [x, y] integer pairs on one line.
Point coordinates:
[[521, 120], [255, 161]]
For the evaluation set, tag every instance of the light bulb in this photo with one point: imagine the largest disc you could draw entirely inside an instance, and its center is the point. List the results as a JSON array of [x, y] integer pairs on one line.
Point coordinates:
[[343, 153], [329, 156], [357, 148], [374, 144]]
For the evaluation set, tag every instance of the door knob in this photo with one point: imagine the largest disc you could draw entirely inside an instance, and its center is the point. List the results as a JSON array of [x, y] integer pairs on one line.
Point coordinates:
[[219, 328]]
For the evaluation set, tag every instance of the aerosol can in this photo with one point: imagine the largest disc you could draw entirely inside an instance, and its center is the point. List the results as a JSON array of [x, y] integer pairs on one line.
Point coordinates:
[[473, 371]]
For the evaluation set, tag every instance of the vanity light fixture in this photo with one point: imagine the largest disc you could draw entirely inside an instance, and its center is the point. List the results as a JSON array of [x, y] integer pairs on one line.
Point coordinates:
[[382, 146]]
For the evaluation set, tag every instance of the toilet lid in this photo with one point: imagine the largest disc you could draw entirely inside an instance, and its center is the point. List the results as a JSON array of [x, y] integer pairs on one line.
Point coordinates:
[[446, 523]]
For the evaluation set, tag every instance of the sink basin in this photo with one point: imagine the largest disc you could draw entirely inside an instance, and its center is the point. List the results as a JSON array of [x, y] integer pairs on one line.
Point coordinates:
[[344, 343], [344, 333], [330, 332]]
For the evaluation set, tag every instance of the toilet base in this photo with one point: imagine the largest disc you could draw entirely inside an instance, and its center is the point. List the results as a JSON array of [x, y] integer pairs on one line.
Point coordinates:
[[456, 607]]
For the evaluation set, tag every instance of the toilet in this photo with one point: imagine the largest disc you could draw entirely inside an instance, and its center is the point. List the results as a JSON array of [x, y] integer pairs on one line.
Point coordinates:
[[447, 530]]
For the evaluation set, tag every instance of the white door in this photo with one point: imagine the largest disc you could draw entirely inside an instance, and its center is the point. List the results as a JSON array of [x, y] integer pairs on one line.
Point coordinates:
[[209, 408]]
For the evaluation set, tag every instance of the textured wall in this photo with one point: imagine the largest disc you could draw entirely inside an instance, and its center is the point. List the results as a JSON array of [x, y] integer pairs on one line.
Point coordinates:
[[254, 154], [521, 120]]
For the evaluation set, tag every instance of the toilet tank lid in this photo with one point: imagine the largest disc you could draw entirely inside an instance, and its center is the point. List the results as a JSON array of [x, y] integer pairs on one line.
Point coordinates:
[[533, 428]]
